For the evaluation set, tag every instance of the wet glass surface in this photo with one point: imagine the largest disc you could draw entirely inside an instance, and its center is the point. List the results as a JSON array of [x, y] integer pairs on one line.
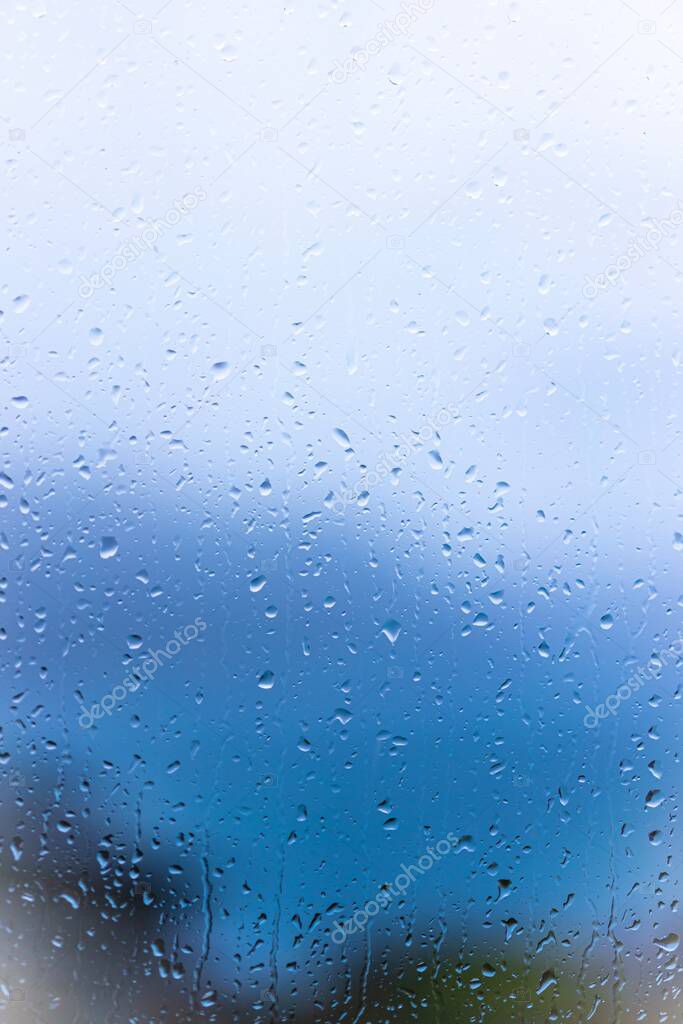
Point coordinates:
[[340, 508]]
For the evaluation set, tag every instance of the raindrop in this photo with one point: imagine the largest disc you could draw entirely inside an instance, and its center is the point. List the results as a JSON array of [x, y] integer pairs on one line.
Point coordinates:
[[391, 630], [108, 547]]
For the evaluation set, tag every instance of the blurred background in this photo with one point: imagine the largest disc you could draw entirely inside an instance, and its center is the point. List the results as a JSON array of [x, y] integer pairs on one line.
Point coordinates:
[[341, 499]]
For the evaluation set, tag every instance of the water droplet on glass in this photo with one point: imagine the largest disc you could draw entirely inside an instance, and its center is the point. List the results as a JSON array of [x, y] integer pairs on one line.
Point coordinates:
[[108, 547]]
